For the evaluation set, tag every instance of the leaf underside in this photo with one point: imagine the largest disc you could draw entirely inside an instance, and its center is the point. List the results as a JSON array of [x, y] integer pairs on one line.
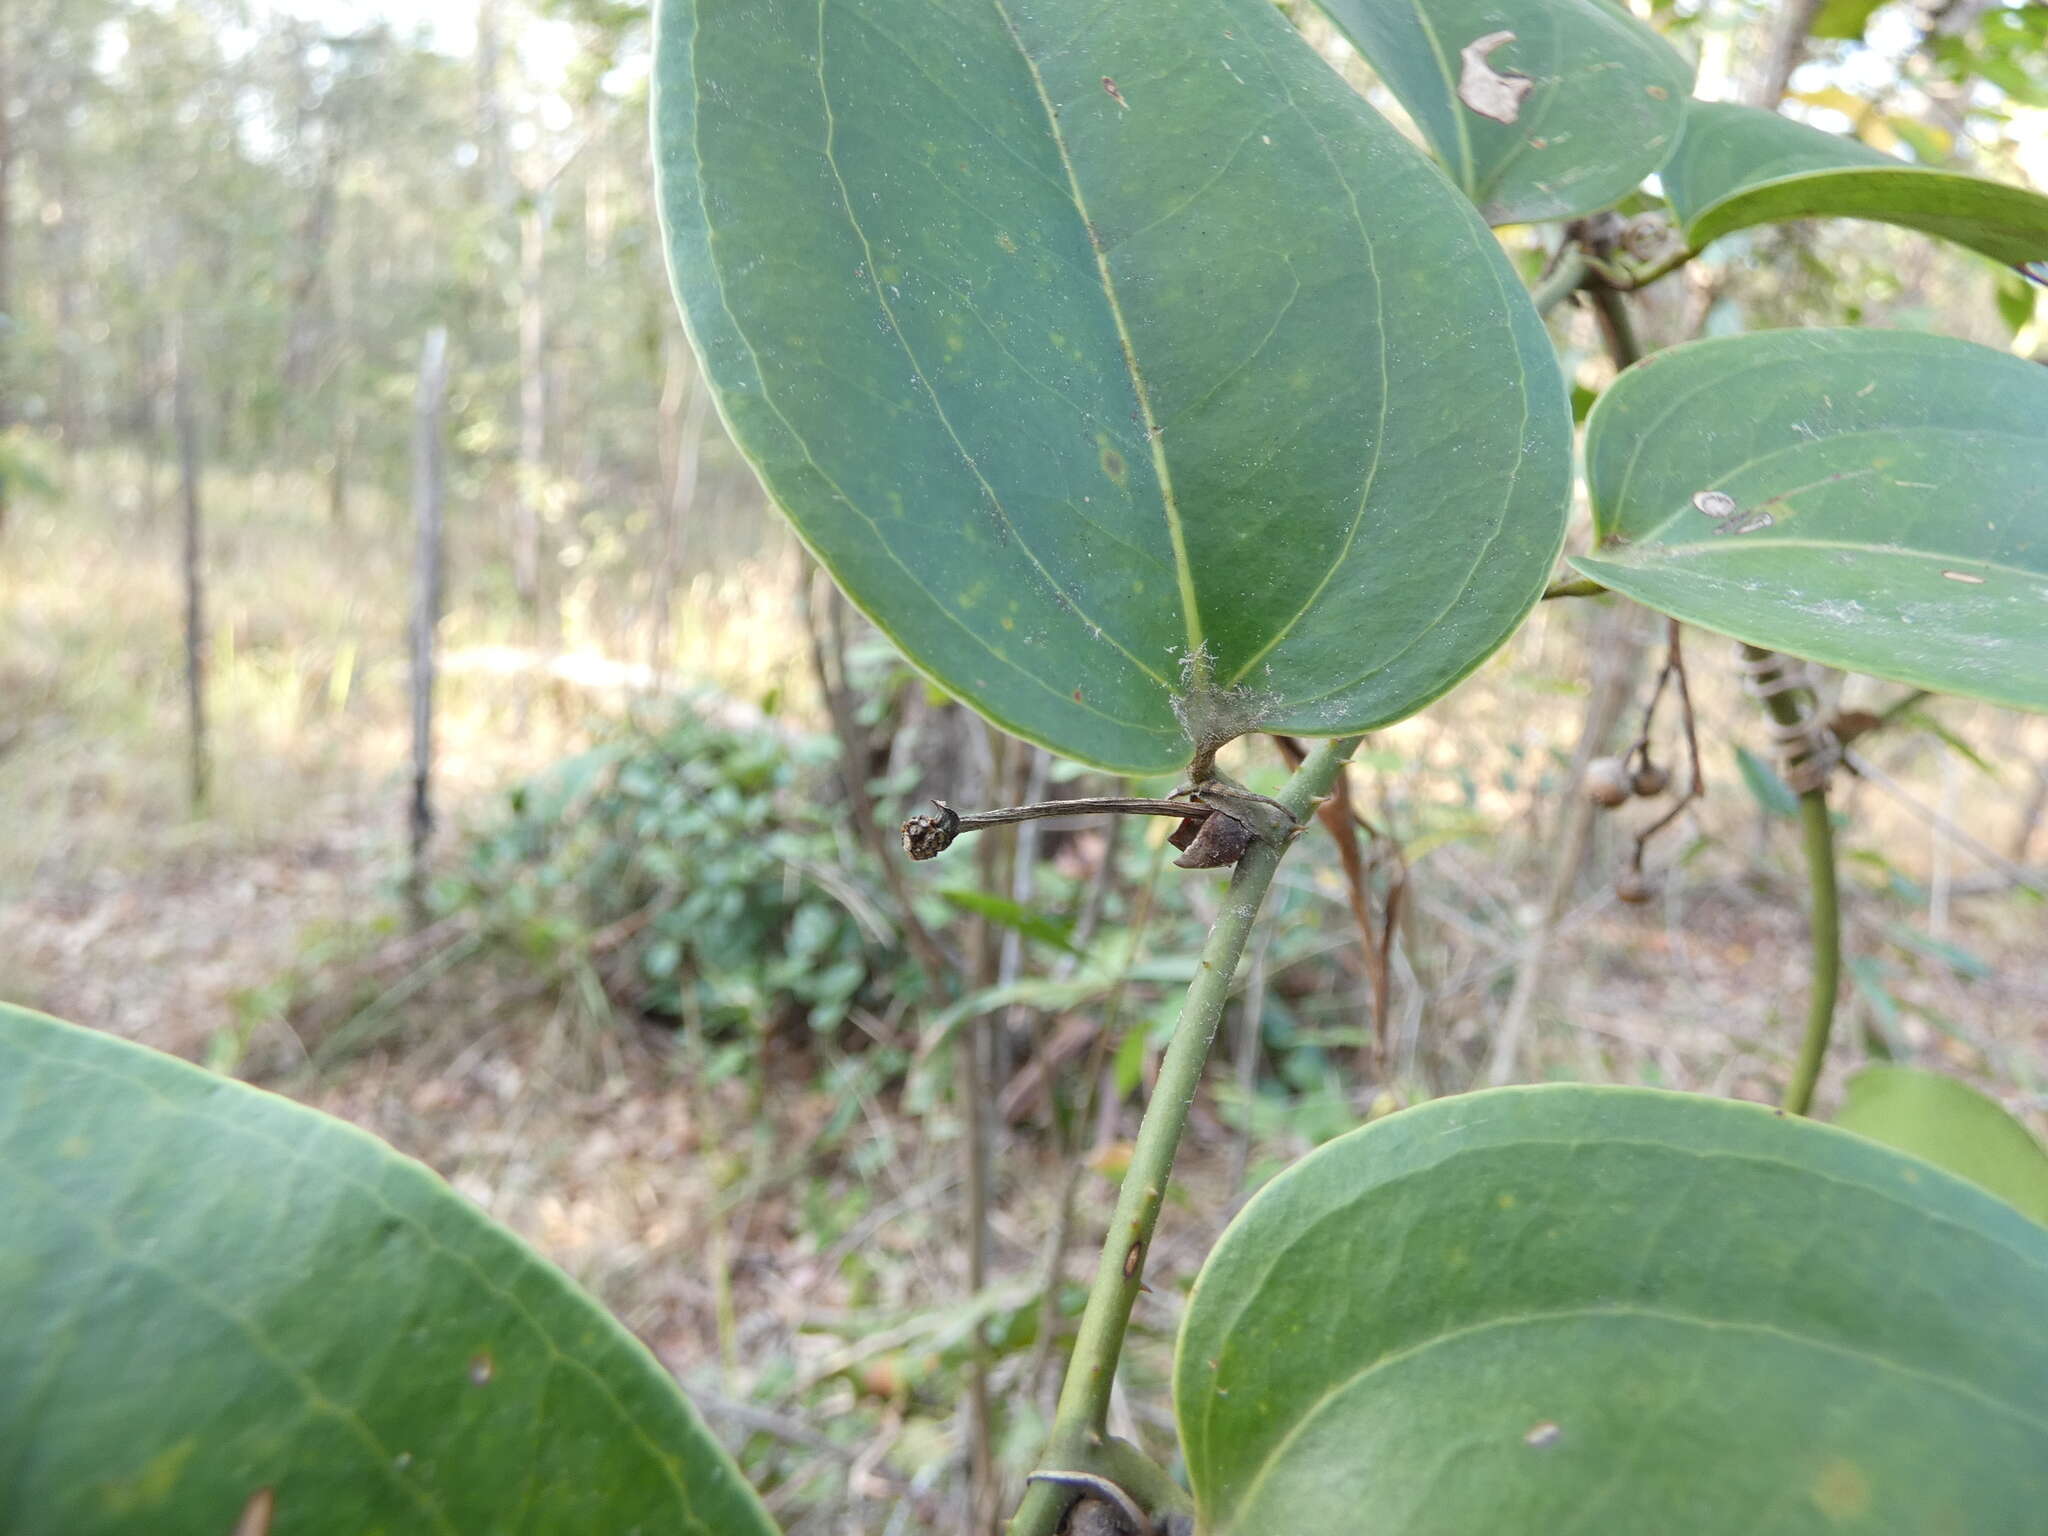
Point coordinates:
[[1885, 510], [1953, 1126], [207, 1292], [1737, 166], [1606, 99], [1078, 340], [1569, 1308]]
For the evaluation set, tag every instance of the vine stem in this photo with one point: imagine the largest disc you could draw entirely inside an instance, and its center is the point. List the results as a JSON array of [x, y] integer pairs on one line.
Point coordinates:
[[1824, 917], [1080, 1437], [1561, 281], [1819, 837]]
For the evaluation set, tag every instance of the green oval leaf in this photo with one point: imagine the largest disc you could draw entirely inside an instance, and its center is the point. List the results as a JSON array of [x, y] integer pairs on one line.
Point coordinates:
[[1874, 500], [1953, 1126], [1738, 166], [1570, 1308], [1079, 341], [1589, 101], [208, 1291]]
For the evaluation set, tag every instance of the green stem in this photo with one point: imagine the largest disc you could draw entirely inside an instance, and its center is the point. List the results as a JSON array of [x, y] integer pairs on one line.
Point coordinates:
[[1825, 918], [1670, 264], [1617, 326], [1079, 1438], [1561, 282], [1819, 829]]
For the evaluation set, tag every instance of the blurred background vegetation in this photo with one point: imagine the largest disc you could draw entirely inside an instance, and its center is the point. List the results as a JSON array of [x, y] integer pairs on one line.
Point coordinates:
[[660, 1000]]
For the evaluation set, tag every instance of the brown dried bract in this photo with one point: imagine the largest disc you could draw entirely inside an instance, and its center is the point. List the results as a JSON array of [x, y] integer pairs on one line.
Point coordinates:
[[1216, 842]]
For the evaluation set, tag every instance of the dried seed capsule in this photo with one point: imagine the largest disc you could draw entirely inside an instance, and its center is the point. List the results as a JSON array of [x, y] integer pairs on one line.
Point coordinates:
[[926, 837], [1650, 780], [1607, 781]]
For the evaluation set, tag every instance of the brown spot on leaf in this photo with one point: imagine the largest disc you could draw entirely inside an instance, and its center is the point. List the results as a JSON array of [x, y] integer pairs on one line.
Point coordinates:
[[1543, 1434], [481, 1369], [1841, 1491], [1113, 464], [254, 1519], [1965, 577], [1115, 95], [1486, 90]]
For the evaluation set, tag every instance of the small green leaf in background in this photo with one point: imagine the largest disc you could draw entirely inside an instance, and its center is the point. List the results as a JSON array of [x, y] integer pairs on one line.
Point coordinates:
[[1968, 966], [1601, 108], [1953, 1126], [1873, 986], [1737, 166], [1844, 19], [2015, 297], [207, 1291], [1771, 791], [1005, 913], [1536, 1310], [1874, 500], [1100, 352]]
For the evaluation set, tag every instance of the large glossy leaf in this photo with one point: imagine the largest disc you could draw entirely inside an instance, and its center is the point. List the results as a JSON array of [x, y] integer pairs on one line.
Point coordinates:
[[1736, 166], [1601, 108], [1953, 1126], [1539, 1310], [1874, 500], [1078, 339], [218, 1305]]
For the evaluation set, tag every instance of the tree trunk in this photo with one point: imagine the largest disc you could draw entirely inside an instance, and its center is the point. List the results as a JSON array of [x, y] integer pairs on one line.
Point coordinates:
[[8, 383], [315, 233], [66, 246], [493, 168], [426, 604], [1787, 48], [194, 576], [533, 404], [337, 474], [683, 432]]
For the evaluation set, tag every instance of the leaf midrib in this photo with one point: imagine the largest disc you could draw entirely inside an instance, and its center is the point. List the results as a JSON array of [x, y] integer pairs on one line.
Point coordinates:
[[1183, 569], [1443, 69], [1750, 189], [938, 407], [767, 397], [1737, 548], [1656, 534]]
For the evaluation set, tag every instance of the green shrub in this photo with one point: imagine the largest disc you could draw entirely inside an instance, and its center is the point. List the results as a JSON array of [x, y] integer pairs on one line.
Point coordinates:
[[706, 873]]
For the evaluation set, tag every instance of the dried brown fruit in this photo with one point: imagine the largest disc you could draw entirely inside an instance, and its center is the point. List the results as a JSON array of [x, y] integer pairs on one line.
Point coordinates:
[[1607, 781], [1631, 887], [1650, 780]]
